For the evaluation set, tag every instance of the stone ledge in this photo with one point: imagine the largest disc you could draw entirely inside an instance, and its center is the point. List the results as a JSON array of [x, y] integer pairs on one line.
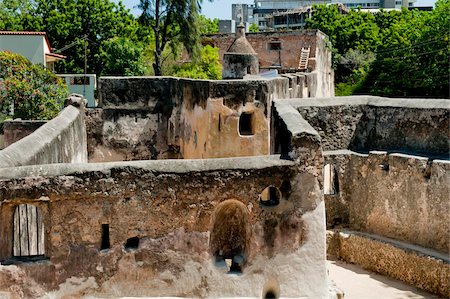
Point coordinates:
[[421, 267], [163, 166]]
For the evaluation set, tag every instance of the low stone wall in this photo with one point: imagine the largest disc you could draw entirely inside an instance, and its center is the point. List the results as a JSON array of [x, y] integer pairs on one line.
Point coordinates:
[[61, 140], [144, 228], [394, 195], [364, 123], [414, 265], [14, 130]]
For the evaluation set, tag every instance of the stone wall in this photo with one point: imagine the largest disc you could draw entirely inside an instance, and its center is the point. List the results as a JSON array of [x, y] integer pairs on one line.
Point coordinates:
[[160, 218], [394, 195], [157, 118], [420, 267], [14, 130], [61, 140], [291, 44], [364, 123], [319, 76]]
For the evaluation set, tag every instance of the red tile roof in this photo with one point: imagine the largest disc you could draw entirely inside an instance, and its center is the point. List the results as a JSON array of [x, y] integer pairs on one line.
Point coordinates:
[[21, 33]]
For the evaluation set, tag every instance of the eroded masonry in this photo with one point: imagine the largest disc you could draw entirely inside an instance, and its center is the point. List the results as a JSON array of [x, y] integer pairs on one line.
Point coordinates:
[[196, 188]]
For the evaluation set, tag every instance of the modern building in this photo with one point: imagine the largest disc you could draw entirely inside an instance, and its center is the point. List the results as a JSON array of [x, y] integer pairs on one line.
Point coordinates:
[[291, 14], [33, 45]]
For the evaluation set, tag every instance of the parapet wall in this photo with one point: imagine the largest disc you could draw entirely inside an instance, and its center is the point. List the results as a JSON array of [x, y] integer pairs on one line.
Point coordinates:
[[394, 195], [159, 118], [162, 228], [61, 140], [14, 130], [364, 123]]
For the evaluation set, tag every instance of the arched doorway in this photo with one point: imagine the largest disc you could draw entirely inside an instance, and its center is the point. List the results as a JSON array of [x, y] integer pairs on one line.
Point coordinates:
[[230, 235]]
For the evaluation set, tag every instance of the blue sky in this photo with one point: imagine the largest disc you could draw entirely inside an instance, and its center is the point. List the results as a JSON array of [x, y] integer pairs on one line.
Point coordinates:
[[221, 9]]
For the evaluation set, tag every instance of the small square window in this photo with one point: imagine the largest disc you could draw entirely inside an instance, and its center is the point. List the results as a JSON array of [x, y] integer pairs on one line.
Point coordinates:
[[276, 45], [246, 124]]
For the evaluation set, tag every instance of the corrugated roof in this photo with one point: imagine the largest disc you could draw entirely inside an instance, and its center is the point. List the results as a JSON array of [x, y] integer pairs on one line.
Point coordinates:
[[22, 33]]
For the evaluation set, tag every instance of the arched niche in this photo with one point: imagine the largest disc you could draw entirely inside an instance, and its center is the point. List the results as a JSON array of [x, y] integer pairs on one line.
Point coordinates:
[[270, 196], [230, 235]]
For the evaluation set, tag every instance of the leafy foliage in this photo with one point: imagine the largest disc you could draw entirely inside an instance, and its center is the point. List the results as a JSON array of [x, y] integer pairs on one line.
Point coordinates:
[[173, 22], [208, 67], [122, 56], [208, 26], [71, 23], [30, 90], [253, 28], [411, 50]]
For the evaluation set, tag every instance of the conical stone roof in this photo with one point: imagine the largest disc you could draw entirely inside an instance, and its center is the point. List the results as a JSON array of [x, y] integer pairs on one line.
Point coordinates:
[[241, 44]]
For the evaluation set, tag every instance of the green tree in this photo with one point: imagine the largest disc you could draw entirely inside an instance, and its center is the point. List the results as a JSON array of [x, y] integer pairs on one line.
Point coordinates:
[[253, 28], [17, 15], [172, 22], [411, 47], [208, 67], [29, 91], [76, 22], [121, 56], [208, 26]]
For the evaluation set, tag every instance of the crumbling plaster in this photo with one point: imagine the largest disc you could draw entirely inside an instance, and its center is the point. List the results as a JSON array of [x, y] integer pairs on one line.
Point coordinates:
[[168, 204]]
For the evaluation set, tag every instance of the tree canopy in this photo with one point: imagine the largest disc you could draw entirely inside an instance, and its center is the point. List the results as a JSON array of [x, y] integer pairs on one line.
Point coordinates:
[[389, 53], [173, 22]]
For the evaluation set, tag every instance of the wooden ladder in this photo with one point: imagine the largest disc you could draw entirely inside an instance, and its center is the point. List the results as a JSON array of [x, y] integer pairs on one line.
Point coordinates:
[[304, 56]]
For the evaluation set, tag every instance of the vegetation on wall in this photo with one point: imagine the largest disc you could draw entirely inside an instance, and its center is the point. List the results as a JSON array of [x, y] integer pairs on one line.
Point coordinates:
[[389, 53], [29, 91]]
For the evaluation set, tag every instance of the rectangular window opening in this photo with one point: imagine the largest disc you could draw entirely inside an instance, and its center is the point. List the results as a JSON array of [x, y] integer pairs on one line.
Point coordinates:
[[105, 237]]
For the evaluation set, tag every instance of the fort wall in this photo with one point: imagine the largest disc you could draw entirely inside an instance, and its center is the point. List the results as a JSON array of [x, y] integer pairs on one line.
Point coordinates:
[[16, 129], [399, 196], [61, 140], [364, 123], [160, 218], [159, 118]]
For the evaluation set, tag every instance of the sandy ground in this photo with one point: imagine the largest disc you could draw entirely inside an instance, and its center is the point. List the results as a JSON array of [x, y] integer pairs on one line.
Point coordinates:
[[358, 283]]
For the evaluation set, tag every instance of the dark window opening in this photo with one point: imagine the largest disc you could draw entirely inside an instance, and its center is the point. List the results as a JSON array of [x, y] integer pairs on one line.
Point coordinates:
[[132, 243], [249, 70], [80, 81], [275, 46], [270, 197], [270, 295], [105, 237], [246, 124], [220, 123]]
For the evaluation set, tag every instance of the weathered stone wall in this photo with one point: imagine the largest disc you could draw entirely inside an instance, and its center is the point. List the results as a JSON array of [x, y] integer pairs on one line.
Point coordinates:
[[320, 76], [363, 123], [399, 196], [291, 44], [169, 206], [239, 65], [61, 140], [417, 266], [14, 130], [157, 118]]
